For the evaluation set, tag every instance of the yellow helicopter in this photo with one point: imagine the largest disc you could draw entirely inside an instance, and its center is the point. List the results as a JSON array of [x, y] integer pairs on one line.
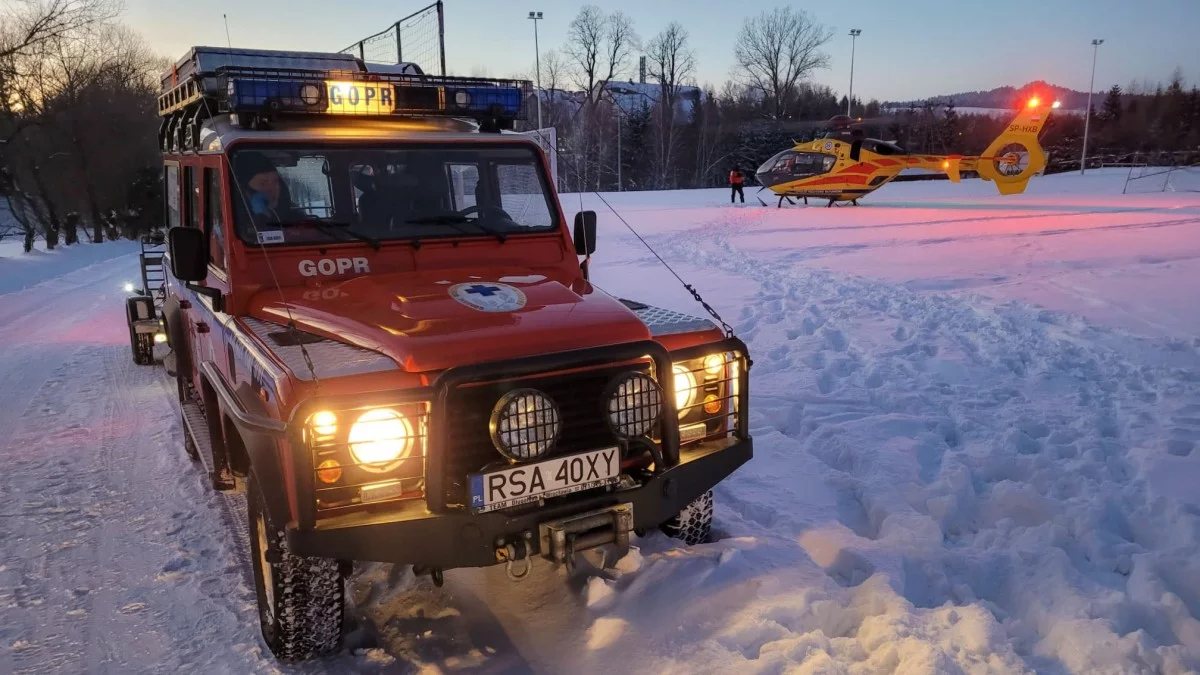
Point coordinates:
[[843, 166]]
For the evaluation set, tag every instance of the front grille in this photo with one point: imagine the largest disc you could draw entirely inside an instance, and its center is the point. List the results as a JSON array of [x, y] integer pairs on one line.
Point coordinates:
[[581, 402]]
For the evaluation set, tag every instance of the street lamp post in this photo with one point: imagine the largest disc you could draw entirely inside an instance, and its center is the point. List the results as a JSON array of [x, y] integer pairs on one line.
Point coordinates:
[[1087, 114], [854, 33], [536, 17]]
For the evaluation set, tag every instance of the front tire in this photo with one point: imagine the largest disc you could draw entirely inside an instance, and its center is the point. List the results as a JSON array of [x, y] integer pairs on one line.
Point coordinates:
[[692, 525], [300, 600]]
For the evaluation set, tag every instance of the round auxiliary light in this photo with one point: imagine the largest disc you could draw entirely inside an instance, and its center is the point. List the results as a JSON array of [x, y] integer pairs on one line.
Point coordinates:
[[714, 364], [635, 405], [380, 439], [324, 423], [525, 424], [310, 94]]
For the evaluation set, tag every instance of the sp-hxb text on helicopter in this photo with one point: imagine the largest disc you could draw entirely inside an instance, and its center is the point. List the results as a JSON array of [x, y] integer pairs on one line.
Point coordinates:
[[843, 166]]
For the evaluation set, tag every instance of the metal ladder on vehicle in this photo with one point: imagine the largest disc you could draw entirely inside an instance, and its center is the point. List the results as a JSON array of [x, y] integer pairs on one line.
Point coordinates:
[[154, 271]]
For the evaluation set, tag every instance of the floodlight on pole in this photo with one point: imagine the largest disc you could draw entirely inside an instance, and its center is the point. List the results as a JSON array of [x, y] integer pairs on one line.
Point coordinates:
[[1087, 114], [854, 33], [537, 55]]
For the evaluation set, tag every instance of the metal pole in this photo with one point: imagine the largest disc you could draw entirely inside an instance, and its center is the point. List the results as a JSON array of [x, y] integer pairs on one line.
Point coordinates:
[[537, 56], [442, 35], [854, 33], [399, 47], [618, 106], [1087, 114]]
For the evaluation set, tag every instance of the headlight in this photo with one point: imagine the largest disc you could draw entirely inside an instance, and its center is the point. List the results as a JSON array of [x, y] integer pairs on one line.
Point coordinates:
[[379, 439], [525, 424], [635, 405], [685, 388]]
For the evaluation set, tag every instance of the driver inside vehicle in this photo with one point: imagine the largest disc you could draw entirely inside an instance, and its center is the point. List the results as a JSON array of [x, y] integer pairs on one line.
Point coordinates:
[[266, 192]]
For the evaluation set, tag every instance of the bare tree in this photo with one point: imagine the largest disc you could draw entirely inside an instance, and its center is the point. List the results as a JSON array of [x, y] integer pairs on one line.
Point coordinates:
[[671, 63], [598, 47], [777, 49], [77, 116], [28, 24]]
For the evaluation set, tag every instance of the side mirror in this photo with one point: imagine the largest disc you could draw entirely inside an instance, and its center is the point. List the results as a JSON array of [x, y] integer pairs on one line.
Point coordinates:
[[585, 233], [189, 254]]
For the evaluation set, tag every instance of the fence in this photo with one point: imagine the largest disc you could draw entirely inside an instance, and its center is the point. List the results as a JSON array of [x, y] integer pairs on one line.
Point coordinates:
[[1162, 179], [418, 38], [548, 140]]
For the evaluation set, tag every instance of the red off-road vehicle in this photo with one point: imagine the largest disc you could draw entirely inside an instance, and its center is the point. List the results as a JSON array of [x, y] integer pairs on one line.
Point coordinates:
[[381, 330]]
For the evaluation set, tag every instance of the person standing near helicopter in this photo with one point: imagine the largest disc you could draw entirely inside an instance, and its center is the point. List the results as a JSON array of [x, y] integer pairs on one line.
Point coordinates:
[[736, 181]]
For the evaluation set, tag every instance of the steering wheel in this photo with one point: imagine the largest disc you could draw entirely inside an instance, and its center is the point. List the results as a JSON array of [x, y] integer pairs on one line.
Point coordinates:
[[481, 210]]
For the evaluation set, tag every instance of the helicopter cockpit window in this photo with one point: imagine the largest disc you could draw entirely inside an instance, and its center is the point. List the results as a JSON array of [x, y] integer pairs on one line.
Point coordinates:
[[803, 164], [881, 148], [827, 163]]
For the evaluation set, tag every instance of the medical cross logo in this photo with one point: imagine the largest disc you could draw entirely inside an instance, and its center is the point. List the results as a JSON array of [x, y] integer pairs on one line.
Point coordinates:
[[488, 297]]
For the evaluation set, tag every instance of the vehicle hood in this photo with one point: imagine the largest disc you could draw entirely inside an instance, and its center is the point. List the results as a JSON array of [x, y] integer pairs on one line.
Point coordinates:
[[429, 321]]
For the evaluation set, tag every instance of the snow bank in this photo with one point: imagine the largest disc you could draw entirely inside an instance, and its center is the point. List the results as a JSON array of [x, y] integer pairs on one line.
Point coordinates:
[[20, 270]]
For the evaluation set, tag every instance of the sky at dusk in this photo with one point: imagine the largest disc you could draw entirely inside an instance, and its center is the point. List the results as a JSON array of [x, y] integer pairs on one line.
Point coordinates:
[[909, 49]]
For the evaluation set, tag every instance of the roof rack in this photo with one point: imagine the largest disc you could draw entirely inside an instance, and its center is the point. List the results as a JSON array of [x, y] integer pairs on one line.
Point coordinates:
[[257, 86]]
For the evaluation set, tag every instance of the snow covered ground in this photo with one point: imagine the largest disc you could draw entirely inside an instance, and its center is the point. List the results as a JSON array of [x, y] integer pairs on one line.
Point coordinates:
[[975, 419]]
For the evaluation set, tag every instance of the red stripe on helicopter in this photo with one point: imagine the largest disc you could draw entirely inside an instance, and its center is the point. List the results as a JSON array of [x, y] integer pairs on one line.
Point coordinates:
[[861, 167]]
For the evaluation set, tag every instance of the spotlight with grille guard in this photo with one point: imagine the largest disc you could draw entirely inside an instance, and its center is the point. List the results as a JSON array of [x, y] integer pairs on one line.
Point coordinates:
[[635, 404], [525, 424]]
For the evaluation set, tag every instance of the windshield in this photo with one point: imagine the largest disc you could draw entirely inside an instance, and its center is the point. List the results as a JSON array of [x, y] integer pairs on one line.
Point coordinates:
[[324, 194]]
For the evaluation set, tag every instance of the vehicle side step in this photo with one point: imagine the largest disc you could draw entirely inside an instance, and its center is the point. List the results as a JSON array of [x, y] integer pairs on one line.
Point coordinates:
[[197, 427]]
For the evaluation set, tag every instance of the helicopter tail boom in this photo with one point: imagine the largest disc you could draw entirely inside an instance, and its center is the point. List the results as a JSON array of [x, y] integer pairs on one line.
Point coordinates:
[[1015, 156]]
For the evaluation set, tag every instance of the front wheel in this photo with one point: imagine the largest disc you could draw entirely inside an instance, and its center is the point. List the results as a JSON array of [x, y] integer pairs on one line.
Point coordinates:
[[692, 525], [300, 600]]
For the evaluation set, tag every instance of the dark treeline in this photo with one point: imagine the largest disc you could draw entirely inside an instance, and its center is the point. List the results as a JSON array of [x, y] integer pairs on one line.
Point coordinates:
[[78, 123]]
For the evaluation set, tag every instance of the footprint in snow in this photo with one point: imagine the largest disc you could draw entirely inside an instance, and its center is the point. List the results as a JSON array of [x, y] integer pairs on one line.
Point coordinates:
[[836, 340], [825, 383], [1180, 447]]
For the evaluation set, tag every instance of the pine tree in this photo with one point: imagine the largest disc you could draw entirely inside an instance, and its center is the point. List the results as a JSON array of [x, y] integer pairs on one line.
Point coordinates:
[[949, 127], [1111, 109], [1175, 113]]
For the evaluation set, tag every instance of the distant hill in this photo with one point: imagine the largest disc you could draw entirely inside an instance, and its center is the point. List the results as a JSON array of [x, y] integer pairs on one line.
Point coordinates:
[[1005, 97]]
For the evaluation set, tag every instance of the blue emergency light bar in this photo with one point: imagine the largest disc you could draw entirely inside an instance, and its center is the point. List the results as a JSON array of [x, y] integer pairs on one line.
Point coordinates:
[[262, 91]]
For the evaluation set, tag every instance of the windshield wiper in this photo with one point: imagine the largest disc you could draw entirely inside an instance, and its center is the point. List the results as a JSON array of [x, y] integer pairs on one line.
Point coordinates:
[[455, 220], [338, 227]]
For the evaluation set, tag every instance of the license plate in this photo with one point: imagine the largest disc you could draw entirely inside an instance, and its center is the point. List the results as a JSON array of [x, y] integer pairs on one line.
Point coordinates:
[[554, 477], [360, 98]]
